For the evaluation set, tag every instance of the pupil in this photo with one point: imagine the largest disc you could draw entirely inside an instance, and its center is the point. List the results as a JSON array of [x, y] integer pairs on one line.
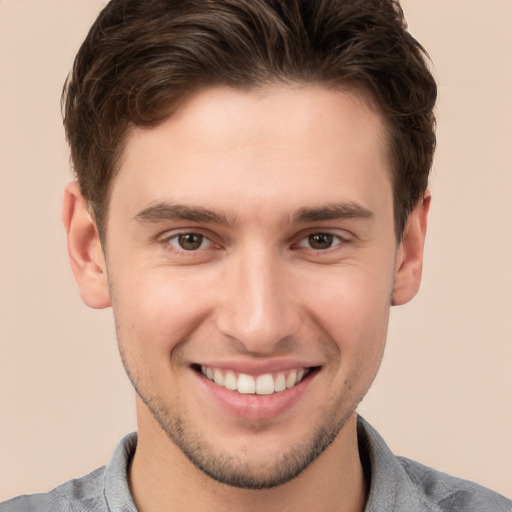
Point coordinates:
[[190, 241], [320, 240]]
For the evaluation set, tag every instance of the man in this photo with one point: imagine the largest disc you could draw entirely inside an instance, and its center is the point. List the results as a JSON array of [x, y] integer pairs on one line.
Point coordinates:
[[251, 198]]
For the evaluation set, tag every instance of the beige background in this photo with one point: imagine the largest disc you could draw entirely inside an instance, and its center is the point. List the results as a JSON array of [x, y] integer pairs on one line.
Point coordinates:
[[444, 394]]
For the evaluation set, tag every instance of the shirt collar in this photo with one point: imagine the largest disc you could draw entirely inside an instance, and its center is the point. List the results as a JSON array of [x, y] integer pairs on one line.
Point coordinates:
[[116, 488], [390, 486]]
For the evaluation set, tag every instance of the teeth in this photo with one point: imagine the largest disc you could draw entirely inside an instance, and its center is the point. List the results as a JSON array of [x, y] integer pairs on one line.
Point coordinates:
[[230, 381], [291, 379], [246, 384], [280, 383], [218, 378], [265, 384]]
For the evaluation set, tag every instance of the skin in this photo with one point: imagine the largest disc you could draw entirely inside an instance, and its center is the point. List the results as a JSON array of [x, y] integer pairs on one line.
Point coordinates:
[[277, 170]]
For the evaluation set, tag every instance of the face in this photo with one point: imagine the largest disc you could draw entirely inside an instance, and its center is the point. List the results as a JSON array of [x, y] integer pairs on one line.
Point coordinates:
[[251, 257]]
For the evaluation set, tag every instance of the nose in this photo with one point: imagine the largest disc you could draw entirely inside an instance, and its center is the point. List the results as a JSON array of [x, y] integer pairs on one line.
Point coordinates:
[[258, 306]]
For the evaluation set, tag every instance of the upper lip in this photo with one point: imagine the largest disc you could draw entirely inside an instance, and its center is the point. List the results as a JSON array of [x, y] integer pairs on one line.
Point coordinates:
[[257, 367]]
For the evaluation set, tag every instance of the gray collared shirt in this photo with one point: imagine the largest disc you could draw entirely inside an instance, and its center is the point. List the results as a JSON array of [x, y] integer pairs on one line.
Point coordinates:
[[396, 484]]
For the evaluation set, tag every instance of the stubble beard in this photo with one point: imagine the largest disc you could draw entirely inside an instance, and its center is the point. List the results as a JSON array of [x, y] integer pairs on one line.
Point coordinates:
[[236, 470]]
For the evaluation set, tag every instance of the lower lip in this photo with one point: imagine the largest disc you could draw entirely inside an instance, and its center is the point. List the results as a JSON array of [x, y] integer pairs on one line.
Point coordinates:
[[256, 407]]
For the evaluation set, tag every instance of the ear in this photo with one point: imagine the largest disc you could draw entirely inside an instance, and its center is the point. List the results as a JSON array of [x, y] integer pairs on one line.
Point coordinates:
[[409, 258], [84, 249]]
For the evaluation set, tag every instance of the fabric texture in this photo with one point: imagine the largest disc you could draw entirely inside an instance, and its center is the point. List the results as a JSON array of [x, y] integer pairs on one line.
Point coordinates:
[[396, 484]]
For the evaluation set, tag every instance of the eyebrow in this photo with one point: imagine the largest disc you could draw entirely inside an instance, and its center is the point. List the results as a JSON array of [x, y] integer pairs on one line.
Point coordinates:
[[161, 212], [168, 211], [335, 211]]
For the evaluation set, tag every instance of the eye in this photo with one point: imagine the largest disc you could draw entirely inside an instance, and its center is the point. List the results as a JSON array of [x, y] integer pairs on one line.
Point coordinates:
[[320, 241], [189, 241]]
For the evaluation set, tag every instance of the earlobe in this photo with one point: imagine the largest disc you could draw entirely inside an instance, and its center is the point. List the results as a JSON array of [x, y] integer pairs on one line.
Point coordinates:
[[409, 260], [84, 249]]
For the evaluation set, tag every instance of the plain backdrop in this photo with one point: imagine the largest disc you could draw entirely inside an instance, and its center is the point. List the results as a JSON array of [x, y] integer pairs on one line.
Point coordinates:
[[444, 393]]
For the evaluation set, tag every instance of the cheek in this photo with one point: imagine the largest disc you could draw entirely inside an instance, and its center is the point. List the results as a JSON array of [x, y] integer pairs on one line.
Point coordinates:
[[353, 298], [157, 307], [354, 312]]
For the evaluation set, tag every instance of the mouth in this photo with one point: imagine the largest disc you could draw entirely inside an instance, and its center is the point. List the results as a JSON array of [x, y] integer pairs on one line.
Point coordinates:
[[264, 384]]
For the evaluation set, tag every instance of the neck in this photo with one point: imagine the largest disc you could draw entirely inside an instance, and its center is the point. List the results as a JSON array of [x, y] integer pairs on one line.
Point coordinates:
[[162, 478]]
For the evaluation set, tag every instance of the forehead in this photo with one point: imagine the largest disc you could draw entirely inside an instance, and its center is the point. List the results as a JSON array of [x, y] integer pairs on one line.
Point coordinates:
[[223, 116], [279, 144]]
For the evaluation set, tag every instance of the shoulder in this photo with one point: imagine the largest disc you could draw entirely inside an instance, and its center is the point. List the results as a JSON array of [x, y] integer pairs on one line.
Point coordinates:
[[400, 484], [78, 495], [449, 493], [103, 490]]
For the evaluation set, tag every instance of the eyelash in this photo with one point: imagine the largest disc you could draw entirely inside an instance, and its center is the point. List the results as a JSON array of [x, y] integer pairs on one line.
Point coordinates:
[[204, 238], [337, 240]]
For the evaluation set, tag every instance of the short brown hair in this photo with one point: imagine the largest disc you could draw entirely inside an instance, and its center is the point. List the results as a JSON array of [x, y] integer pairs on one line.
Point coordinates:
[[142, 56]]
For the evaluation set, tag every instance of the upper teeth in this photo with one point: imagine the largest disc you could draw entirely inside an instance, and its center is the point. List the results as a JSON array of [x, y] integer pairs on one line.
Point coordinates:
[[265, 384]]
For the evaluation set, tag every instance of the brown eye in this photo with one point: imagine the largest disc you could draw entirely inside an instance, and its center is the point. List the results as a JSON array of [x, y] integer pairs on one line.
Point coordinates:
[[188, 241], [320, 241]]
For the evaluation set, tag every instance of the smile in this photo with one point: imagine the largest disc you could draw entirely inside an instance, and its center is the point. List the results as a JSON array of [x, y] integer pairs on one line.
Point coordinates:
[[265, 384]]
